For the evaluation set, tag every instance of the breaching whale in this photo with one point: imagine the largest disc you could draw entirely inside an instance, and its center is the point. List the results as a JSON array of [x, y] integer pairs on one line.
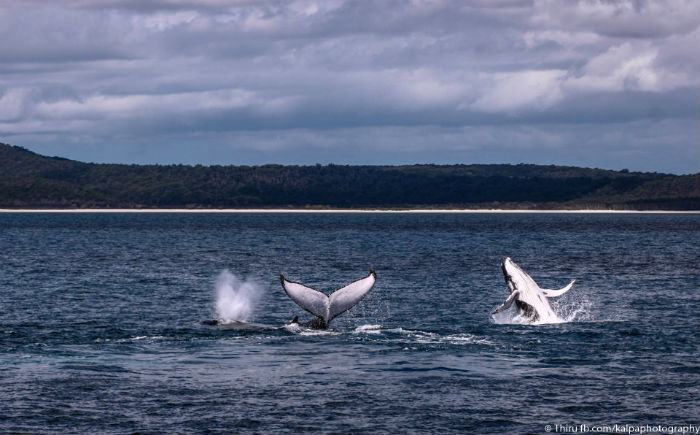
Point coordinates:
[[325, 307], [530, 299]]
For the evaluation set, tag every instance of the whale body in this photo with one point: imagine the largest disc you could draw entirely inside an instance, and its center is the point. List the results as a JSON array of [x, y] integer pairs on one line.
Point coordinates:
[[530, 300], [324, 307]]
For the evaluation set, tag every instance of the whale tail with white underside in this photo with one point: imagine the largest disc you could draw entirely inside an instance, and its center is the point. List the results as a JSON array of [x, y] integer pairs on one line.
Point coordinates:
[[328, 307]]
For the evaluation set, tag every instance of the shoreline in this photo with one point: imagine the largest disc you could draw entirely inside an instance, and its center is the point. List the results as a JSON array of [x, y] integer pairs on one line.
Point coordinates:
[[378, 210]]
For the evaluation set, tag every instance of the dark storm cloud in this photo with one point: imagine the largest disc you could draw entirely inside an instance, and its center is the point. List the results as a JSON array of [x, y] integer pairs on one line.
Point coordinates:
[[303, 81]]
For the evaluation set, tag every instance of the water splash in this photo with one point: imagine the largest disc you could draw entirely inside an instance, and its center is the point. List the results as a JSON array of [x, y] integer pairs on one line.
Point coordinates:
[[295, 328], [368, 329], [575, 309], [235, 299], [566, 311], [434, 338], [512, 317]]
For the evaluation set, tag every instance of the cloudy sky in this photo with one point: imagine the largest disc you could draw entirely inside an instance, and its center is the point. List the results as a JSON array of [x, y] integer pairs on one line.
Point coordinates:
[[609, 84]]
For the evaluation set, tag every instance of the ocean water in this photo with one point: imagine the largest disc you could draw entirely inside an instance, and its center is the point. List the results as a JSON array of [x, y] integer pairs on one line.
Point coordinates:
[[101, 323]]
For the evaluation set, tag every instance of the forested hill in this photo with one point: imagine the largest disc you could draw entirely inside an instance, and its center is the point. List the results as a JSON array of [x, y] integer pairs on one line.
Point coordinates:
[[30, 180]]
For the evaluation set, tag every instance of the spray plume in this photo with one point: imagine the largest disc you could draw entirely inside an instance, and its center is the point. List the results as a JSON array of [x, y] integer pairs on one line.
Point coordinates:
[[235, 299]]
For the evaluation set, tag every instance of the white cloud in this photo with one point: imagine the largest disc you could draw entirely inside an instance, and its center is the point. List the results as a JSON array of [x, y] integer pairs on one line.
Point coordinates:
[[13, 103], [137, 106], [564, 38], [161, 21], [418, 89], [623, 67], [531, 90], [624, 18], [629, 66]]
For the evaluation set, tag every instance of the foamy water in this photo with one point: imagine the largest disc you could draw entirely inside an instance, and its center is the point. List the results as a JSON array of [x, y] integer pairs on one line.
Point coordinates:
[[573, 309]]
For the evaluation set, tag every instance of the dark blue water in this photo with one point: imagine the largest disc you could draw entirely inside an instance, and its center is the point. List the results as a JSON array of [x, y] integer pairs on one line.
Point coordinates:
[[100, 323]]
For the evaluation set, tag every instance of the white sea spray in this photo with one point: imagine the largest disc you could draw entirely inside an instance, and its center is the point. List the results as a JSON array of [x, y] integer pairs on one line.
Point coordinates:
[[236, 299]]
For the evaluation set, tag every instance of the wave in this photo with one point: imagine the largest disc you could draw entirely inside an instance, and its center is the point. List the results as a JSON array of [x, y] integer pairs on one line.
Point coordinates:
[[408, 336], [377, 333]]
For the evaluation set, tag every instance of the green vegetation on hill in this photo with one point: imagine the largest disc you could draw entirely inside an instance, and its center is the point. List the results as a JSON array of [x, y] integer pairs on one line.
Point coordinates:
[[29, 180]]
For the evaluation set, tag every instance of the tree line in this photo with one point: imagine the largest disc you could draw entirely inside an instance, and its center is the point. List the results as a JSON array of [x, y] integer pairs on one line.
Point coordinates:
[[31, 180]]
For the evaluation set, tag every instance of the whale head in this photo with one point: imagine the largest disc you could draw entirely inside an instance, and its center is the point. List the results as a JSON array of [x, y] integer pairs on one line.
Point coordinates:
[[509, 268], [516, 278]]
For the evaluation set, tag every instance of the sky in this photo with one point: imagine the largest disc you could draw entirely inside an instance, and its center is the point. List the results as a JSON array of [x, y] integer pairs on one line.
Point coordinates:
[[607, 84]]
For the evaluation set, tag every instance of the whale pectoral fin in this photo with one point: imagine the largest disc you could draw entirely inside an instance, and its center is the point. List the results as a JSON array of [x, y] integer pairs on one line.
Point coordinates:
[[307, 298], [513, 296], [554, 293], [347, 297]]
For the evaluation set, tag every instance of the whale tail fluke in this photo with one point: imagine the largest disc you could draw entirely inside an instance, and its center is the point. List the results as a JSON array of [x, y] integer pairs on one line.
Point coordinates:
[[328, 307], [554, 293], [307, 298]]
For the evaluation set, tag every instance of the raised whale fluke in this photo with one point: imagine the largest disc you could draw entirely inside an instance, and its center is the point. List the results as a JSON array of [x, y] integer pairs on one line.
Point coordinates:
[[325, 307], [529, 298]]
